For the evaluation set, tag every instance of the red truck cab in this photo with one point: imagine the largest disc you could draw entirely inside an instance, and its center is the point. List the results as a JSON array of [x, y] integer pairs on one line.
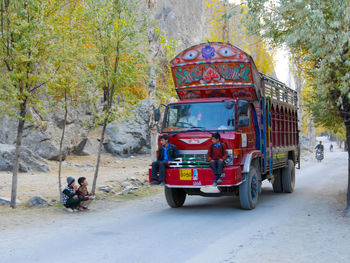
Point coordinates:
[[220, 90]]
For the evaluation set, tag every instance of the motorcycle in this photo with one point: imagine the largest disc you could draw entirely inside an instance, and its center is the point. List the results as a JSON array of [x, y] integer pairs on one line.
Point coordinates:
[[319, 155]]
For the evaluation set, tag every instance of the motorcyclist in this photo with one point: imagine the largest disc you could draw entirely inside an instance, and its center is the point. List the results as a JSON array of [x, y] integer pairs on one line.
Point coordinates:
[[319, 151], [319, 147]]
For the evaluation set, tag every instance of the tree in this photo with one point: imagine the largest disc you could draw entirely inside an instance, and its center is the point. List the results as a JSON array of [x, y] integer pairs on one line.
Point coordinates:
[[117, 66], [226, 23], [27, 50], [320, 31], [70, 87]]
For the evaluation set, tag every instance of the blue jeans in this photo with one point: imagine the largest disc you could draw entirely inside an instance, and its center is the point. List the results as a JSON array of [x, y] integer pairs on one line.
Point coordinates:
[[217, 167], [161, 165]]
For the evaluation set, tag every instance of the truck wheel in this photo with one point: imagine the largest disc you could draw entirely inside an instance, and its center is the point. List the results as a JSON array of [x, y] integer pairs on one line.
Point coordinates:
[[175, 197], [288, 177], [249, 189], [277, 183]]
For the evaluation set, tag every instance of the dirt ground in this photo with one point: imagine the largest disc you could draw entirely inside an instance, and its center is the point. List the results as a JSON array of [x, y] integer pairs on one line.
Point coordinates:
[[113, 171]]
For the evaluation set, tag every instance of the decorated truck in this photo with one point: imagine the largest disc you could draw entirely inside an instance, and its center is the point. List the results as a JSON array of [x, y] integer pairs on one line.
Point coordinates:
[[220, 90]]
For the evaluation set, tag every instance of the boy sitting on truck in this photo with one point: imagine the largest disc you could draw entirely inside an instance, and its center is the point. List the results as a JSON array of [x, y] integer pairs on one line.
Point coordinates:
[[216, 155], [166, 154]]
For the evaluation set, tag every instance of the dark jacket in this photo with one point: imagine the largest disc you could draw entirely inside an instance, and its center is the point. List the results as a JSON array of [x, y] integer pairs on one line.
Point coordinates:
[[215, 154], [319, 147], [82, 191], [68, 193], [172, 153]]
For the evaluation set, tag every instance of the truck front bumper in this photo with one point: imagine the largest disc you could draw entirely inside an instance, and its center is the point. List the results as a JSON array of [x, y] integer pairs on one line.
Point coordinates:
[[198, 177]]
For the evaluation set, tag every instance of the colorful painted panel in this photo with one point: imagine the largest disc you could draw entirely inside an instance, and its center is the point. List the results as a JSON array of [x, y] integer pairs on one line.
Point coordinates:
[[210, 52], [212, 73], [221, 68]]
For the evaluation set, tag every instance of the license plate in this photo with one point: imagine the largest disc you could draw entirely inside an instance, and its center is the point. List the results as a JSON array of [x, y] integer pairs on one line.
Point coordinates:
[[186, 174]]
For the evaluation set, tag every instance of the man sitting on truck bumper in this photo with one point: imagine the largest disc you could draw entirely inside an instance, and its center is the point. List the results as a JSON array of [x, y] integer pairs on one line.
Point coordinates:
[[166, 153], [216, 155]]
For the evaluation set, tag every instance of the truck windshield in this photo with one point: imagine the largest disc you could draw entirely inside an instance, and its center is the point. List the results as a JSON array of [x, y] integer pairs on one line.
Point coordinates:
[[199, 116]]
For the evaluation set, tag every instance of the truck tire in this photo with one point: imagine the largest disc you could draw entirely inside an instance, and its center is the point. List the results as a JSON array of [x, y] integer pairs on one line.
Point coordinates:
[[277, 183], [249, 189], [175, 197], [288, 177]]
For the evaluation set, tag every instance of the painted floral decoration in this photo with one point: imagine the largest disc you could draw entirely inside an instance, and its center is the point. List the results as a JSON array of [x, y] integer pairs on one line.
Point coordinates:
[[208, 52]]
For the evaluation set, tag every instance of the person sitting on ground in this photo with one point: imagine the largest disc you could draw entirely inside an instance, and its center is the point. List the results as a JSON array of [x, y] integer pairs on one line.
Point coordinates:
[[319, 147], [70, 197], [166, 154], [83, 192], [216, 155]]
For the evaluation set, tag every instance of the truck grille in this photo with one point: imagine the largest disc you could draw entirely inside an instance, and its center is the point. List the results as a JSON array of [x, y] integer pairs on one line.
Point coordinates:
[[193, 158]]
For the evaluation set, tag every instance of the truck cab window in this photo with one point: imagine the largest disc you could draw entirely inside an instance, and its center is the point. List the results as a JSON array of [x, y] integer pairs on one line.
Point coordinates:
[[200, 116]]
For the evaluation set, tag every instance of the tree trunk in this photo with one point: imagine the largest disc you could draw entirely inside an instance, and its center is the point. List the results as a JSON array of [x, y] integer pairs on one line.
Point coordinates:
[[61, 145], [347, 126], [152, 86], [225, 29], [23, 111], [99, 155], [152, 124]]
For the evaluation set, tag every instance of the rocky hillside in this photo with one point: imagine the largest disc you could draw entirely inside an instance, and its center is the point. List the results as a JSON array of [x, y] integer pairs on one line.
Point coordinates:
[[180, 19]]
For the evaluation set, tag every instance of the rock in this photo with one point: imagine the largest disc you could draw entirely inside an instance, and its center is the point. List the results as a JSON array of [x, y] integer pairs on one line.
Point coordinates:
[[127, 190], [28, 160], [37, 201], [126, 184], [4, 201], [175, 20], [136, 182], [43, 136], [88, 146], [130, 137], [105, 188], [7, 201]]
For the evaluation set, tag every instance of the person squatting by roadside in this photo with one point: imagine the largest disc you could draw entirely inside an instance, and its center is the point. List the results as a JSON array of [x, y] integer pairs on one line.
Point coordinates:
[[216, 155], [70, 198], [166, 154], [83, 192]]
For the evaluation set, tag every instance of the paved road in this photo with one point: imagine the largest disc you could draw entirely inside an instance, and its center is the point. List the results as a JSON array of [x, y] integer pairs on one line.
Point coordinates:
[[305, 226]]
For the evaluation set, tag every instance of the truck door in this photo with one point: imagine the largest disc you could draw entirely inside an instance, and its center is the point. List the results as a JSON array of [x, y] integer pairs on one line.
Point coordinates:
[[248, 133]]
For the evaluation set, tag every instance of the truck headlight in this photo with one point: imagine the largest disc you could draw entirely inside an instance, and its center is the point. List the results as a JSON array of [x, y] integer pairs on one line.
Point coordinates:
[[229, 159]]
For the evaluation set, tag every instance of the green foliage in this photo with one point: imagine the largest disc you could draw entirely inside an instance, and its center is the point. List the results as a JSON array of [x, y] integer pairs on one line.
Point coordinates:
[[320, 32], [117, 64], [226, 22], [165, 85], [27, 52], [71, 36]]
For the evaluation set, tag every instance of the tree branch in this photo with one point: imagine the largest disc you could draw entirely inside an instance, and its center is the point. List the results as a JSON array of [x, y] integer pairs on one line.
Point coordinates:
[[7, 65], [42, 84]]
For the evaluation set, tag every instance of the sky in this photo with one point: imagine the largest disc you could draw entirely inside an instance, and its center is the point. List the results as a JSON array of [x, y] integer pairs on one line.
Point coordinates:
[[282, 66], [281, 61]]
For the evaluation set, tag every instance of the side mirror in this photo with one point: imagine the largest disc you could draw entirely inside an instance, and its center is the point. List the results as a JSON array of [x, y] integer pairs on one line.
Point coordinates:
[[243, 121], [228, 104], [157, 115], [242, 107]]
